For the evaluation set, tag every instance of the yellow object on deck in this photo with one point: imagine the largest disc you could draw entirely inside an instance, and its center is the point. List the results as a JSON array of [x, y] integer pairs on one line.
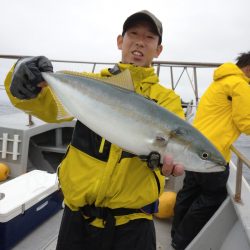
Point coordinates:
[[4, 171], [166, 205]]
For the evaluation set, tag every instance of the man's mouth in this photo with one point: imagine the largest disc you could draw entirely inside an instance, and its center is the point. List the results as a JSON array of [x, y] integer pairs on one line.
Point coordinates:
[[137, 53]]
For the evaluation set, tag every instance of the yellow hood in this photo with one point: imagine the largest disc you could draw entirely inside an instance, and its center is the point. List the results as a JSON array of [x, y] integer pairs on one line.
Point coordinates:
[[229, 69]]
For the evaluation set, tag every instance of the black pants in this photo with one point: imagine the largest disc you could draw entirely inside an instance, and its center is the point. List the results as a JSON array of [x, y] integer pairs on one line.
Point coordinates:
[[76, 234], [196, 202]]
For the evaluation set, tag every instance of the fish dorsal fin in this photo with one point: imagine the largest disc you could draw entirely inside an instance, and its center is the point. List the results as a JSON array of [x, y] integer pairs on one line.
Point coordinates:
[[122, 80]]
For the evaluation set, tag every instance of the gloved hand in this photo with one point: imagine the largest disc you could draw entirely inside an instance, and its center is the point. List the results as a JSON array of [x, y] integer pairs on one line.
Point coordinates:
[[27, 75]]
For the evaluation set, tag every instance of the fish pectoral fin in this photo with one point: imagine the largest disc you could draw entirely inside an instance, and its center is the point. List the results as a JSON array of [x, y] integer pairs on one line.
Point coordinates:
[[122, 80], [161, 141]]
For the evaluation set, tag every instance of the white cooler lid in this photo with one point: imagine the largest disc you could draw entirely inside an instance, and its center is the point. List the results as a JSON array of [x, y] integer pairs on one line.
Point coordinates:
[[24, 191]]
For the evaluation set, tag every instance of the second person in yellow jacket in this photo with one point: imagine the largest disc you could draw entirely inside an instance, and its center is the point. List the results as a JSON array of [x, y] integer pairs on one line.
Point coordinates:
[[223, 114]]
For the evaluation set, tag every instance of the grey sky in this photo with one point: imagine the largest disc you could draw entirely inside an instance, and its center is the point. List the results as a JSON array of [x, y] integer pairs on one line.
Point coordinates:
[[194, 30]]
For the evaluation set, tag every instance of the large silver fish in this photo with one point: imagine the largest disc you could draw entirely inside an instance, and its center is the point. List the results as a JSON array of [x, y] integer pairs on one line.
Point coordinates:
[[133, 122]]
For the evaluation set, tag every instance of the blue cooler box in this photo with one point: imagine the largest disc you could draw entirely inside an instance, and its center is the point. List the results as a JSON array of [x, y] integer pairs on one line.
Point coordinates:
[[26, 202]]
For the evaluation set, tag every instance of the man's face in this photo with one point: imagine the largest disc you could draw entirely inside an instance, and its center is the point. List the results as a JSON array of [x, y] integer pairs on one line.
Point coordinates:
[[139, 45], [246, 70]]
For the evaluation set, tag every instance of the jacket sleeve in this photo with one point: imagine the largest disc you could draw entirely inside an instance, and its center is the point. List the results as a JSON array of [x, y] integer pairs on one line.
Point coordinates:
[[45, 106], [240, 93], [168, 99]]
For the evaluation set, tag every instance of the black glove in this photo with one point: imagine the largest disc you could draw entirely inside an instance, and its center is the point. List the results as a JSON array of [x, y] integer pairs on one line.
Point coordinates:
[[27, 75]]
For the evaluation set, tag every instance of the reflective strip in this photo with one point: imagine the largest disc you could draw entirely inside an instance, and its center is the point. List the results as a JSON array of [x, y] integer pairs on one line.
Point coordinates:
[[102, 145]]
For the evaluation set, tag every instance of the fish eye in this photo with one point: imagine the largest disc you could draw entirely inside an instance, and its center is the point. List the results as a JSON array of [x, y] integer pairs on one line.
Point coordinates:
[[204, 155]]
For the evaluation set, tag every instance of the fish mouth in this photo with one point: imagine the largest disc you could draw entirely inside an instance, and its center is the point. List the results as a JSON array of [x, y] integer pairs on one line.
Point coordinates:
[[218, 161], [223, 164], [219, 167]]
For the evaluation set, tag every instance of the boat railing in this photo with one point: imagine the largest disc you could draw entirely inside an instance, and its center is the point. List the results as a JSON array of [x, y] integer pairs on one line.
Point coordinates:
[[240, 161], [177, 74]]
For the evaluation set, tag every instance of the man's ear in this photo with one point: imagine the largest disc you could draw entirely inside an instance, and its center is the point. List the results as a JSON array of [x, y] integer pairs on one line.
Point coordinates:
[[158, 50], [248, 71], [119, 41]]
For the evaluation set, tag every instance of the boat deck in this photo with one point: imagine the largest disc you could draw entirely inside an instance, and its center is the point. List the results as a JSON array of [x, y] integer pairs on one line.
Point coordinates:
[[44, 237]]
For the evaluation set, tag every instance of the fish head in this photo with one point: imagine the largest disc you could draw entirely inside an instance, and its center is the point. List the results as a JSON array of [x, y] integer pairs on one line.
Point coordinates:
[[196, 152], [210, 159]]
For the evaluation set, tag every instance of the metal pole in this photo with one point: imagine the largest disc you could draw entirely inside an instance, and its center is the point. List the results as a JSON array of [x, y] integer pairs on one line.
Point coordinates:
[[237, 196], [30, 122], [172, 77], [59, 141], [195, 86]]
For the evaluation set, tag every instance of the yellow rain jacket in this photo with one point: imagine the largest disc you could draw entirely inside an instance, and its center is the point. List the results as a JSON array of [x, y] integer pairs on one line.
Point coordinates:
[[94, 171], [224, 109]]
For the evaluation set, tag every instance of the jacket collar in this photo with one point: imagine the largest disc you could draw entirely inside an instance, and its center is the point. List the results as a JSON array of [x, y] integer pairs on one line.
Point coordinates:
[[143, 78]]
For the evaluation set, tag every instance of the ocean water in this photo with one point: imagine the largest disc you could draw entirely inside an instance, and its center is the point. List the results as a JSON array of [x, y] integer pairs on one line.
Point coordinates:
[[7, 109]]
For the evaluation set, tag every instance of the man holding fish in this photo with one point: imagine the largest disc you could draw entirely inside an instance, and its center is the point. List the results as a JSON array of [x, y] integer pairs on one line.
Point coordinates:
[[95, 173], [123, 144]]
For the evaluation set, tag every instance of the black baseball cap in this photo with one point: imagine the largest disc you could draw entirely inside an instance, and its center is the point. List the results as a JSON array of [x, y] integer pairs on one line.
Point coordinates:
[[144, 15]]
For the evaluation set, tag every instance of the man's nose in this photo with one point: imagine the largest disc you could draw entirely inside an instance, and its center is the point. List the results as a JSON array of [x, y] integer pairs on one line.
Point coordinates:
[[140, 42]]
